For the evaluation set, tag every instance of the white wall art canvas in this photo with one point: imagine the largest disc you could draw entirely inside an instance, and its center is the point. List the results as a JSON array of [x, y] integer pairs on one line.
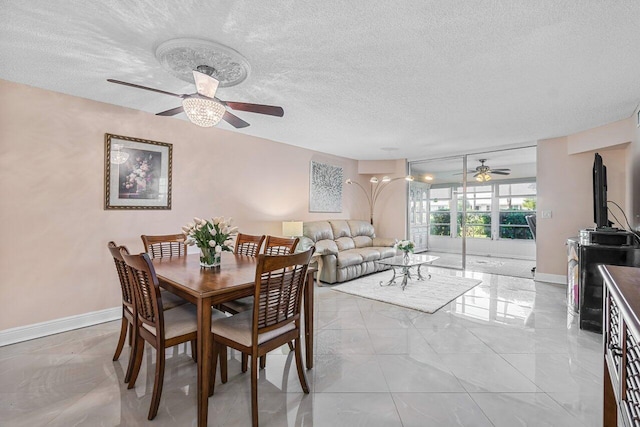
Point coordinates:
[[325, 189]]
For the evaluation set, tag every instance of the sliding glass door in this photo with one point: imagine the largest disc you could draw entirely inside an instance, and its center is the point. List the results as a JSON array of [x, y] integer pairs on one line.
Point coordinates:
[[475, 205]]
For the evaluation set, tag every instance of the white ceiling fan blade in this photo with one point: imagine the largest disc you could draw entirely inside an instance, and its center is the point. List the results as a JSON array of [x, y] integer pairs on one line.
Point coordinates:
[[205, 85]]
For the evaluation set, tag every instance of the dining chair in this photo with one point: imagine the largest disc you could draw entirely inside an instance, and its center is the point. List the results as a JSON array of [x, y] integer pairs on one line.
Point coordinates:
[[128, 305], [280, 245], [161, 329], [274, 320], [273, 246], [247, 244], [166, 246]]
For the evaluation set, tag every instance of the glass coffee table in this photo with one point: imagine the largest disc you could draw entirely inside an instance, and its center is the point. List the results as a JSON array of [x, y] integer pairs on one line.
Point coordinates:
[[405, 264]]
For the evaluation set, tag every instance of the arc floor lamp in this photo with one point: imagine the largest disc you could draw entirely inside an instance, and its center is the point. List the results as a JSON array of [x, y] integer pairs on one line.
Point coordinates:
[[376, 187]]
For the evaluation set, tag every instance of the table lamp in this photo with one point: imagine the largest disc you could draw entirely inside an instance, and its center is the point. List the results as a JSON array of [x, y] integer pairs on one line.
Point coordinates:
[[292, 228]]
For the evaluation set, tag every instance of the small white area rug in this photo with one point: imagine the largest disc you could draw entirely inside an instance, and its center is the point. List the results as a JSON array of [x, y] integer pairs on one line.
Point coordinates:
[[427, 295]]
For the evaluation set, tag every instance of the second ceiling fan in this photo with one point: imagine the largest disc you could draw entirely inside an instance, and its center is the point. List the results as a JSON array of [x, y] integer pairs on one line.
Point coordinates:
[[483, 172], [203, 108]]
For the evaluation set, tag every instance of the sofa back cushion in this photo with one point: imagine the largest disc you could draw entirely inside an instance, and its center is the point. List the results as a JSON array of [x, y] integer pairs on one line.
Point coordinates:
[[340, 228], [363, 241], [361, 228], [345, 243], [317, 230]]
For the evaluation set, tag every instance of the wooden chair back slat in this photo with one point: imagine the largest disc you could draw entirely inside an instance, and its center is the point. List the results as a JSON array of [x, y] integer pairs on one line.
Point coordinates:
[[280, 280], [147, 291], [123, 276], [280, 245], [165, 246], [247, 244]]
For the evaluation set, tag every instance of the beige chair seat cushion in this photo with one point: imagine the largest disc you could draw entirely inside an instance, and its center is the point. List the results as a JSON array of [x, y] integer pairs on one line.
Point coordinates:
[[170, 300], [182, 320], [238, 328], [240, 305]]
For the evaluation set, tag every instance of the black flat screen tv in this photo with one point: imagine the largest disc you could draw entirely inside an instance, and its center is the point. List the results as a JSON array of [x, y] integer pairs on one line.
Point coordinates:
[[600, 215]]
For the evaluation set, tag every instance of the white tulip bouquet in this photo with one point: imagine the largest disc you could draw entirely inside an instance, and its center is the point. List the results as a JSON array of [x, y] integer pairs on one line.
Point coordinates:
[[212, 237], [405, 246]]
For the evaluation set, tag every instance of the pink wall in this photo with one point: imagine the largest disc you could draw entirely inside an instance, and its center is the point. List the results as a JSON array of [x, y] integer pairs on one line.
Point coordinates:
[[390, 214], [633, 182], [608, 135], [565, 188], [54, 261]]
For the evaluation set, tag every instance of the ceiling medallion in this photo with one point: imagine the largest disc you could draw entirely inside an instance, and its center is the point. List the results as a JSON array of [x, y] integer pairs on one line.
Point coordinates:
[[181, 56]]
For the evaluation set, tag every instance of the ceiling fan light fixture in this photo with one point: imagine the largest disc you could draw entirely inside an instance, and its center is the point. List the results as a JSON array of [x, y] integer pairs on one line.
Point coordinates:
[[483, 177], [118, 157], [203, 112]]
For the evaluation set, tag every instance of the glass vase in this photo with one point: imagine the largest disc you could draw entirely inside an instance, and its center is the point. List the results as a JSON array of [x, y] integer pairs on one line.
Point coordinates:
[[406, 257], [209, 258]]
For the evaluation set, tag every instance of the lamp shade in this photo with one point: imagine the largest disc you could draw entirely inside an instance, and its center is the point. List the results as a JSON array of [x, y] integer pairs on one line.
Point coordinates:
[[292, 228]]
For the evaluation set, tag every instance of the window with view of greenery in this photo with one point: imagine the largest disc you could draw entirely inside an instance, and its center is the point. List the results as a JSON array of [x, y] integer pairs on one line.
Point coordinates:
[[517, 200], [440, 212], [504, 206], [478, 211]]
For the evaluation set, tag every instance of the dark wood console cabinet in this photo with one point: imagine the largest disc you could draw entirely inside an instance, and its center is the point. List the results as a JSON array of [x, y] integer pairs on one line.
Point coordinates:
[[590, 284], [621, 345]]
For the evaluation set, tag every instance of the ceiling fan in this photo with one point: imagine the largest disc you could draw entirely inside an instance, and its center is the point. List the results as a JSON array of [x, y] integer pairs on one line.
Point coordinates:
[[203, 108], [483, 172]]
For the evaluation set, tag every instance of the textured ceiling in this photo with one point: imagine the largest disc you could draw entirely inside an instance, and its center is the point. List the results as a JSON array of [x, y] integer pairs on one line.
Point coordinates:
[[365, 80]]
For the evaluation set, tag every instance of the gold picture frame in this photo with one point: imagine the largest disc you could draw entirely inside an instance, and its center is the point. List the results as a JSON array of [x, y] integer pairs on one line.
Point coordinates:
[[137, 173]]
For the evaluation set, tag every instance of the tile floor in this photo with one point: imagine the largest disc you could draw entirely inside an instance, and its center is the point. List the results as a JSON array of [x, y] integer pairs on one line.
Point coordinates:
[[503, 354], [485, 264]]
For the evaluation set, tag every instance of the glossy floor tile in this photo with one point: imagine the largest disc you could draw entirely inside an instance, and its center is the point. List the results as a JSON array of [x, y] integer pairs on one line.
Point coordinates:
[[503, 354]]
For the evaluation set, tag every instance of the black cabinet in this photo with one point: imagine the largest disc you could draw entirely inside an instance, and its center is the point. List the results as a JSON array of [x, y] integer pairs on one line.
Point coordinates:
[[590, 281]]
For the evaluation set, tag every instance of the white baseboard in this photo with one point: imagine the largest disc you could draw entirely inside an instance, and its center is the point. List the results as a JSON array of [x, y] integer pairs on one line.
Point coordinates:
[[551, 278], [39, 330]]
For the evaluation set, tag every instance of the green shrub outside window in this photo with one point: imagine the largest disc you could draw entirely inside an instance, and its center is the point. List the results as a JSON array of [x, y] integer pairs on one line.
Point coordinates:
[[440, 223]]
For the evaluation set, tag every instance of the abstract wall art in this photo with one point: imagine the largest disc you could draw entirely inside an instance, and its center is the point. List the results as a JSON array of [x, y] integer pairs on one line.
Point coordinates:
[[325, 189]]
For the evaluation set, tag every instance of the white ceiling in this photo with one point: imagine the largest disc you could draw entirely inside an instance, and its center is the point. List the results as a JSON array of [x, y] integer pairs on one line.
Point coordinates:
[[364, 80]]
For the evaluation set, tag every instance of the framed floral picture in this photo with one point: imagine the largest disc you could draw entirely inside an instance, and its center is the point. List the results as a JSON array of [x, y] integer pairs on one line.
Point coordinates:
[[137, 173]]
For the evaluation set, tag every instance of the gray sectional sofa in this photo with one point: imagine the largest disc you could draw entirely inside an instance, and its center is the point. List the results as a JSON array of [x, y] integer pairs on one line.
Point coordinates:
[[349, 248]]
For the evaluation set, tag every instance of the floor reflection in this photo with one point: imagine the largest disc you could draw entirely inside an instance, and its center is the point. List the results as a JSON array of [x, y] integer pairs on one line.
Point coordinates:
[[501, 354]]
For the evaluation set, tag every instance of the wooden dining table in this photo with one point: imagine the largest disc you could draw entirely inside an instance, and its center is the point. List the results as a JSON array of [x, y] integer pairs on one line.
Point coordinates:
[[207, 287]]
